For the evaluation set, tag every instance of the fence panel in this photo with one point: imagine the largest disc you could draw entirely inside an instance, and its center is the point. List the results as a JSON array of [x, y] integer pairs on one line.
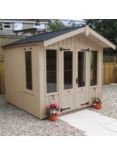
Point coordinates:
[[2, 79], [110, 72]]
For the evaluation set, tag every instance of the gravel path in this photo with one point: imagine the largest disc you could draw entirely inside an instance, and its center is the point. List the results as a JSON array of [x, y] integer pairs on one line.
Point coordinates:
[[16, 122], [109, 100]]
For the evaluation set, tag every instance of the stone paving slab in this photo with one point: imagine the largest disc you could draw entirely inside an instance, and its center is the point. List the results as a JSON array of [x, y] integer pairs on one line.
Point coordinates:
[[109, 109], [93, 123]]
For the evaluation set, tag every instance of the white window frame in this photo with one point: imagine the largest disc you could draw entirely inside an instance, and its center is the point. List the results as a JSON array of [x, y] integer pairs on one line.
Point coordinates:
[[7, 23]]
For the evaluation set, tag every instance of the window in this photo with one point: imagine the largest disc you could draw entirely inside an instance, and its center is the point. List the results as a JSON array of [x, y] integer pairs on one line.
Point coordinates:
[[93, 75], [6, 25], [68, 69], [51, 70], [18, 26], [28, 67], [81, 69]]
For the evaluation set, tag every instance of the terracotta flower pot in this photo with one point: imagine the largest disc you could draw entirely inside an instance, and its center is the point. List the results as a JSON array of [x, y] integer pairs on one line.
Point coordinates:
[[53, 117], [97, 105]]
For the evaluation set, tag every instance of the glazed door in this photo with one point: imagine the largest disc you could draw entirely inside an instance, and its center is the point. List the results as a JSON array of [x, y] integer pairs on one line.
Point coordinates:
[[94, 72], [82, 80], [68, 79]]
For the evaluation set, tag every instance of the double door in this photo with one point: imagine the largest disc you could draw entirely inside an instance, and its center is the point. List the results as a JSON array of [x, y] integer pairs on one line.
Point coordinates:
[[73, 77], [76, 66]]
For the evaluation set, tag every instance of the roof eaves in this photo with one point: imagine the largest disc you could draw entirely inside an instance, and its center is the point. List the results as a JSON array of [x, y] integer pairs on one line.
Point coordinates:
[[41, 37], [21, 45], [106, 43]]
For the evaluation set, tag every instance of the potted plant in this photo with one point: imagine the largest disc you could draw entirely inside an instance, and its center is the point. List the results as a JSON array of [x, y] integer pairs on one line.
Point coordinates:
[[53, 110], [97, 103]]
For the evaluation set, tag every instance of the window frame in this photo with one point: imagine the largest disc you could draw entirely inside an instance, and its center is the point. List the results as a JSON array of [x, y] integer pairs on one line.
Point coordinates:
[[97, 82], [57, 70], [85, 64], [27, 89], [71, 50]]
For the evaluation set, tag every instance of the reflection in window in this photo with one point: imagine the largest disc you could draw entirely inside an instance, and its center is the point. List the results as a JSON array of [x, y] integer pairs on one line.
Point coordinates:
[[68, 69], [28, 67], [93, 73], [81, 69], [18, 26], [51, 69]]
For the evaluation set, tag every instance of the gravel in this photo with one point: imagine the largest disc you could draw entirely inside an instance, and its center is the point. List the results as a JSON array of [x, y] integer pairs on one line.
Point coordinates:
[[109, 101], [16, 122]]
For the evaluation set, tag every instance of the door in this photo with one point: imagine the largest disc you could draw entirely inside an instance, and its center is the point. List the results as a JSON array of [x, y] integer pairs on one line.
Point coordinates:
[[68, 100], [94, 75], [82, 79]]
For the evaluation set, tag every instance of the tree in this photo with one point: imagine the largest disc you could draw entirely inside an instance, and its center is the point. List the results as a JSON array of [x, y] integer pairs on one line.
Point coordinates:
[[107, 28], [56, 25]]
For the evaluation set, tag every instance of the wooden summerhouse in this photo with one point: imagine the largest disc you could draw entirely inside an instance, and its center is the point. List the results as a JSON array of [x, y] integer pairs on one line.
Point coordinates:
[[63, 67]]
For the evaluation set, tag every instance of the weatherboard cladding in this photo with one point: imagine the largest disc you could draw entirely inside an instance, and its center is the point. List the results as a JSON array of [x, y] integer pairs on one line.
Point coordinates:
[[41, 37]]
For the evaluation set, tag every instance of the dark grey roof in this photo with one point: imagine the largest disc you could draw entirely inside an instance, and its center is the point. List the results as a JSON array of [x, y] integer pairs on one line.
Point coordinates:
[[41, 37]]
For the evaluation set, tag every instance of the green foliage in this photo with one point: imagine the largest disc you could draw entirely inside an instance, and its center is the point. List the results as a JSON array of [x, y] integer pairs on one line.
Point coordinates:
[[56, 25], [107, 28]]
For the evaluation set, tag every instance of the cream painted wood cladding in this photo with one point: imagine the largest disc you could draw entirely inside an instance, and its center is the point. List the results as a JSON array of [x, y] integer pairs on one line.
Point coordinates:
[[72, 74], [4, 39]]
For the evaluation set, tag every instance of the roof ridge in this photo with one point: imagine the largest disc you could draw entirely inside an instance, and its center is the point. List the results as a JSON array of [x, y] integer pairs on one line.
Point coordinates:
[[69, 28]]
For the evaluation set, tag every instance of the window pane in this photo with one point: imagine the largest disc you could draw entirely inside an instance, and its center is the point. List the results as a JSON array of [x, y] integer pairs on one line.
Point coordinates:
[[93, 68], [7, 25], [81, 69], [51, 67], [67, 69], [28, 62]]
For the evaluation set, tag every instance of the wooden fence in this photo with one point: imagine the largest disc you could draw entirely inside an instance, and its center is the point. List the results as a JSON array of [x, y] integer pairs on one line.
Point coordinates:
[[2, 83], [110, 72]]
